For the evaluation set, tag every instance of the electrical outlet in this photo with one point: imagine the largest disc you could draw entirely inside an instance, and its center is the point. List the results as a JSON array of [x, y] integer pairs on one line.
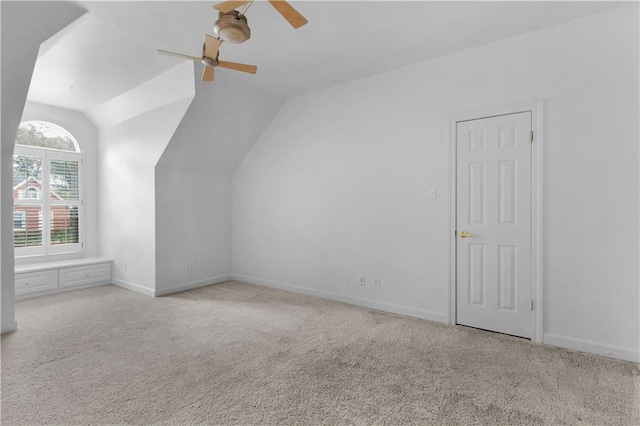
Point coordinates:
[[188, 269], [376, 282], [363, 280], [125, 266]]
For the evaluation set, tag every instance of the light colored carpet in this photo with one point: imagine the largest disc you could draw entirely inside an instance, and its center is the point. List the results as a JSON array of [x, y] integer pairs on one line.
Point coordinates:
[[235, 353]]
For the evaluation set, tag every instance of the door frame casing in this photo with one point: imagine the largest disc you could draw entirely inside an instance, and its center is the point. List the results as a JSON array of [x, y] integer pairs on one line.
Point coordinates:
[[535, 107]]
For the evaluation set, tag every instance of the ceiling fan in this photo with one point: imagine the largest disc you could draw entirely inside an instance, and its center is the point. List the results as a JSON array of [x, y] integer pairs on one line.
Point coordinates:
[[210, 53], [232, 25]]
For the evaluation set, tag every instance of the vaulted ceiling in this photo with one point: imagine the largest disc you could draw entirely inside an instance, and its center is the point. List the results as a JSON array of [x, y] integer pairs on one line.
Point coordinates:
[[113, 48]]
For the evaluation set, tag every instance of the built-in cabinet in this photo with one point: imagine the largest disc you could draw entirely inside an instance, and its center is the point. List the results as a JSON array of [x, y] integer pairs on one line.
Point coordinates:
[[30, 282], [46, 278]]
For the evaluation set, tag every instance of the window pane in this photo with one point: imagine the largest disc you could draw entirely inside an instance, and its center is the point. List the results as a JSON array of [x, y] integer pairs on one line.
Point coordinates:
[[19, 220], [45, 135], [27, 177], [64, 180], [64, 225], [27, 226]]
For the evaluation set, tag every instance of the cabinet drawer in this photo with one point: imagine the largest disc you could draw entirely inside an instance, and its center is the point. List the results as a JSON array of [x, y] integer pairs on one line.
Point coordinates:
[[29, 282], [79, 275]]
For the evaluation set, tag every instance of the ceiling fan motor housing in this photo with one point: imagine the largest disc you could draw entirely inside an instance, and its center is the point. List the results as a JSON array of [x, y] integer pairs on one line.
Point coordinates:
[[209, 62], [232, 27]]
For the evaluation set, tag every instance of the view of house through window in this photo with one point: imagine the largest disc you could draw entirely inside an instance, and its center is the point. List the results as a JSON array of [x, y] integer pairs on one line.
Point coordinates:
[[47, 202]]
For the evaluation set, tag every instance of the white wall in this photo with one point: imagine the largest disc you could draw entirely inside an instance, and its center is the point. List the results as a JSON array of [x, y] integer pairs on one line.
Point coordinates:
[[129, 151], [337, 184], [86, 135], [24, 27], [193, 183], [193, 228]]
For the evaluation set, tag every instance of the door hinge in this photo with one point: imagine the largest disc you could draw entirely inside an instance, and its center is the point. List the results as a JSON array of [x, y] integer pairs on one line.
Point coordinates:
[[532, 136], [531, 304]]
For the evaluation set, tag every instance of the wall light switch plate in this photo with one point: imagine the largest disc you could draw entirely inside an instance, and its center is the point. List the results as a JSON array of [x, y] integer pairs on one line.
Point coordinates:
[[432, 193]]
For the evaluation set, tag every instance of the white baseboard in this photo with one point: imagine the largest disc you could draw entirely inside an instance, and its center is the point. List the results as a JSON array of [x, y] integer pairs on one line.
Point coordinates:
[[367, 303], [193, 284], [60, 290], [133, 287], [591, 347], [9, 326]]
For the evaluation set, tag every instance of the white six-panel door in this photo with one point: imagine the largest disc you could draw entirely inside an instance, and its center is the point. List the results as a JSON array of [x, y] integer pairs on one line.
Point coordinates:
[[493, 223]]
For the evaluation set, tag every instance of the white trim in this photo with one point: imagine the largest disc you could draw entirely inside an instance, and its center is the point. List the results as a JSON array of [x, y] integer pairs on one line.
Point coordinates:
[[60, 290], [535, 107], [193, 284], [591, 347], [537, 217], [8, 328], [133, 287], [367, 303], [42, 266]]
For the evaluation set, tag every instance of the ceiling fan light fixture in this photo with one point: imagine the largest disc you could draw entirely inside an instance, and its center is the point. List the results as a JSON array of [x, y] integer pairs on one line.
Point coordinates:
[[232, 27]]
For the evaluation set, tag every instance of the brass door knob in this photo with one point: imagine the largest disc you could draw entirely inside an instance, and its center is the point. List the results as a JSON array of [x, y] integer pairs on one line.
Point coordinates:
[[465, 234]]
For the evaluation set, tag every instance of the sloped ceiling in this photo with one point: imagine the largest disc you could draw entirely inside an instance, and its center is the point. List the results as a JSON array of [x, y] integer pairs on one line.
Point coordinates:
[[221, 125], [91, 63], [113, 49]]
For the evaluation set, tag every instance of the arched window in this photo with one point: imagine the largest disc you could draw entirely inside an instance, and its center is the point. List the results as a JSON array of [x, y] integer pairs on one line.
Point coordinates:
[[47, 191], [32, 192]]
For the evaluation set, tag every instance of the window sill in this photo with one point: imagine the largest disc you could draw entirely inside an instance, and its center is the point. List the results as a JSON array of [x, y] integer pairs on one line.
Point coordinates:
[[57, 264], [37, 259]]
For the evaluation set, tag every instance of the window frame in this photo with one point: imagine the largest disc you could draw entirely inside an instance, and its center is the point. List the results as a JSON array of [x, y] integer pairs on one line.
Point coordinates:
[[46, 204]]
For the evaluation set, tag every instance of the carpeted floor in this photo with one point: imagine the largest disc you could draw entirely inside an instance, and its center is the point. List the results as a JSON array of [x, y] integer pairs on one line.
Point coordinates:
[[235, 353]]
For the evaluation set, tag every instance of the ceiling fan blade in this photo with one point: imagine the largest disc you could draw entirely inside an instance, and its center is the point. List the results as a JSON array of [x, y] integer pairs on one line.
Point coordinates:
[[251, 69], [228, 6], [289, 13], [207, 74], [211, 46], [179, 55]]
